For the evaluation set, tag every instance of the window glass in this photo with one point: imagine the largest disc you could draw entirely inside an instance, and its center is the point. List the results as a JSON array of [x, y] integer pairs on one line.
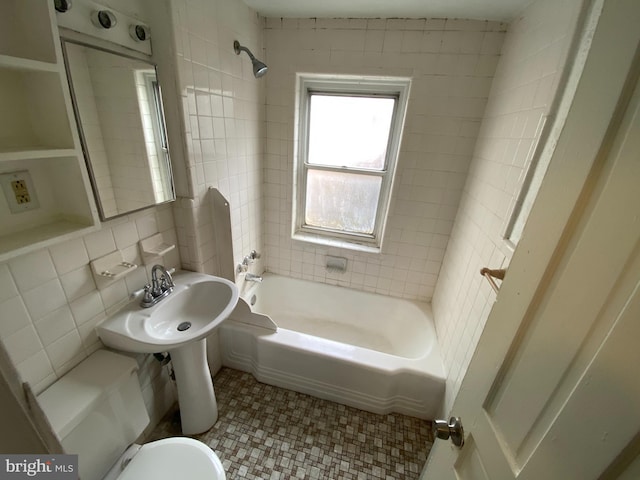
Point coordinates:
[[342, 201], [349, 131]]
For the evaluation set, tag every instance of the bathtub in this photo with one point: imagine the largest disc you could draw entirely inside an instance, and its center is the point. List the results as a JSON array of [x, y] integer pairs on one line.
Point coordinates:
[[368, 351]]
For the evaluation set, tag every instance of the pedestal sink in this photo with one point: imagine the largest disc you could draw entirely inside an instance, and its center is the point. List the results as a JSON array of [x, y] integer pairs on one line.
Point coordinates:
[[179, 325]]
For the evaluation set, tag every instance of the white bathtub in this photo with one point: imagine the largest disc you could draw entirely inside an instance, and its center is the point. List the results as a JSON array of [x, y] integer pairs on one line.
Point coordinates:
[[369, 351]]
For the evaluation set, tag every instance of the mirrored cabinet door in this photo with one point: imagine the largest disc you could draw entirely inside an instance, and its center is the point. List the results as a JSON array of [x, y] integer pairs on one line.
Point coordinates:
[[118, 107]]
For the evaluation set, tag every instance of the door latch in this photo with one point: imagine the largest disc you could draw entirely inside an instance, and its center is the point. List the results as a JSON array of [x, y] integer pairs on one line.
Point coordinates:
[[452, 429]]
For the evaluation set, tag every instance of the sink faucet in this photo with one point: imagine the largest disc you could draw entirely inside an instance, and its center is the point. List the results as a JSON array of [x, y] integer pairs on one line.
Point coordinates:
[[159, 288], [250, 277]]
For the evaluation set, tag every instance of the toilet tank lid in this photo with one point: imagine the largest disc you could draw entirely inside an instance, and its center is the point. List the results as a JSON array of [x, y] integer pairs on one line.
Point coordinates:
[[67, 401]]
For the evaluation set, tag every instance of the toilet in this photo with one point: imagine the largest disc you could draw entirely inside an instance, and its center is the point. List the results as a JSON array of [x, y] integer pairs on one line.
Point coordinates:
[[97, 411]]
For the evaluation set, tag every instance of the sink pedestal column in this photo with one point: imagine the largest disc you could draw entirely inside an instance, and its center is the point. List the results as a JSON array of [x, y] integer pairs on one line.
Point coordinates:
[[198, 407]]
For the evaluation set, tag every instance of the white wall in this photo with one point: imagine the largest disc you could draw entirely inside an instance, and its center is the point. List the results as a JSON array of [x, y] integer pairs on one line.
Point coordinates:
[[526, 81], [451, 63]]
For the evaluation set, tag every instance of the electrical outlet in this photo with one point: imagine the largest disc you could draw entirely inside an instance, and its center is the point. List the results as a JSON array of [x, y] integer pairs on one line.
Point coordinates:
[[19, 192]]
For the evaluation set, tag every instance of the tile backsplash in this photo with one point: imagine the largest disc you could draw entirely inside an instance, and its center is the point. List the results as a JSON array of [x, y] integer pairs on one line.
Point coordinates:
[[50, 304], [451, 64]]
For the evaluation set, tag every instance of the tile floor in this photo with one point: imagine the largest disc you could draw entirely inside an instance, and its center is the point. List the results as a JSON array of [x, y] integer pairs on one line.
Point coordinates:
[[265, 432]]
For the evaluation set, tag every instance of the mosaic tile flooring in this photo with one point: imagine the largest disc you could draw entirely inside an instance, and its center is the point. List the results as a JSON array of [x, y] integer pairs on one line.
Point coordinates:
[[265, 432]]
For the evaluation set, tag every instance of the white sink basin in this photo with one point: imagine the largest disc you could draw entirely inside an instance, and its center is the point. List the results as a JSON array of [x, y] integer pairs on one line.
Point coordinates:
[[179, 324], [198, 304]]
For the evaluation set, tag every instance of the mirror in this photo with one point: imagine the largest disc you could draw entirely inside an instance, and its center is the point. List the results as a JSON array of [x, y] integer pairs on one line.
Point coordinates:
[[118, 109]]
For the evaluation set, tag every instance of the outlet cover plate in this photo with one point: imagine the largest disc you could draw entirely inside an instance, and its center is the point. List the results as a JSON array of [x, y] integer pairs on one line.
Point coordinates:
[[19, 191]]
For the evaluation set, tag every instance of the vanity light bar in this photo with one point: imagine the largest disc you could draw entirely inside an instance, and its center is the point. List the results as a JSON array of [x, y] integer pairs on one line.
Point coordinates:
[[106, 19], [97, 20]]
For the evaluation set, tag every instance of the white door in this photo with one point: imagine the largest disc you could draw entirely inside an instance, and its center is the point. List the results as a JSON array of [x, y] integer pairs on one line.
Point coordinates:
[[553, 390]]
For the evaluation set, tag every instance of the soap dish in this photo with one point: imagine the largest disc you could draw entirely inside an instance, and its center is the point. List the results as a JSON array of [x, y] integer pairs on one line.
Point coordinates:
[[154, 247], [110, 268], [118, 270]]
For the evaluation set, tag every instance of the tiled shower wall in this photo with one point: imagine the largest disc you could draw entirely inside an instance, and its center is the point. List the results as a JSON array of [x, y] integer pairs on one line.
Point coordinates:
[[533, 58], [451, 63], [223, 115]]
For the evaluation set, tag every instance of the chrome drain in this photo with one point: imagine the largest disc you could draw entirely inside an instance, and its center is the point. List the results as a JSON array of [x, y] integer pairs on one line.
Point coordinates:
[[184, 326]]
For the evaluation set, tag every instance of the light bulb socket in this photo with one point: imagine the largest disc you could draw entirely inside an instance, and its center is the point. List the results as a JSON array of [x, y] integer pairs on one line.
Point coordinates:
[[62, 5], [139, 32], [104, 19]]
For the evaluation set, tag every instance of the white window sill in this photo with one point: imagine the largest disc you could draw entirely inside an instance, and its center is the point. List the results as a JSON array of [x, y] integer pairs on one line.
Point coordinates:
[[335, 242]]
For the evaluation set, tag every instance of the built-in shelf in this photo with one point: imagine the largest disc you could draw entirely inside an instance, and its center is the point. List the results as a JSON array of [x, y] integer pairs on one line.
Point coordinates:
[[37, 133], [18, 243], [154, 247], [35, 153], [17, 63], [33, 113]]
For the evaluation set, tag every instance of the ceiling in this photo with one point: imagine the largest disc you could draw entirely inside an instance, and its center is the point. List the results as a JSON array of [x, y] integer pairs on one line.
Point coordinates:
[[504, 10]]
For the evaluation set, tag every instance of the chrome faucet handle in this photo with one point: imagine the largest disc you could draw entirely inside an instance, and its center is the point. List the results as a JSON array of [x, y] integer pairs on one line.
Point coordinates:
[[147, 296], [166, 283], [167, 280], [253, 255], [156, 287], [137, 293]]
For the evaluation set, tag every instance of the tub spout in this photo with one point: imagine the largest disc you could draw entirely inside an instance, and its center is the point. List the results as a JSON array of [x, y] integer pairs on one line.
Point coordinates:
[[250, 277]]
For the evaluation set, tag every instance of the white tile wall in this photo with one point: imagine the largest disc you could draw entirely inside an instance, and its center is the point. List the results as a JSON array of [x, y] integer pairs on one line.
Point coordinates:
[[49, 303], [223, 109], [526, 81], [451, 63]]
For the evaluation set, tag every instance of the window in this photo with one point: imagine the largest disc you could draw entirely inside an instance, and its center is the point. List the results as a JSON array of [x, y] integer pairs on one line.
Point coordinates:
[[152, 116], [348, 137]]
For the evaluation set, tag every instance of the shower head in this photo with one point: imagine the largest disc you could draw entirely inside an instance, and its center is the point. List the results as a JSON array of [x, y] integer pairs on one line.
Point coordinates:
[[259, 68]]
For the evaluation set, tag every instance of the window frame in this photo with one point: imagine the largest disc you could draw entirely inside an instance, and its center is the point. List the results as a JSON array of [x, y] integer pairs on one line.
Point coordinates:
[[350, 86]]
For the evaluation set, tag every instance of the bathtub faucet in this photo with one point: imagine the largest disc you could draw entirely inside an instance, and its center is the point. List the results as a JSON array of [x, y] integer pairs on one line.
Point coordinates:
[[250, 277]]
